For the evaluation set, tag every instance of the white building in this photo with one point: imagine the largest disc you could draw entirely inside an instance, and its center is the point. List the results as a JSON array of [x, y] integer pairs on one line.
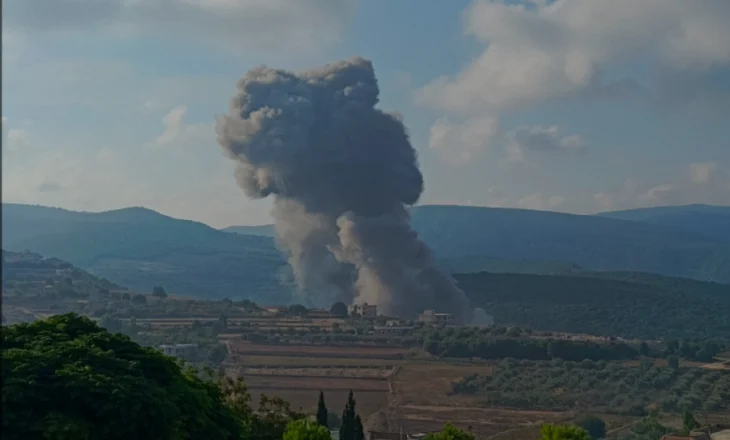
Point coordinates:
[[178, 350], [365, 310]]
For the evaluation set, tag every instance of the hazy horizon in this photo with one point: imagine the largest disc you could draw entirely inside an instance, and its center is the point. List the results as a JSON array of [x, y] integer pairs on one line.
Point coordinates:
[[270, 222]]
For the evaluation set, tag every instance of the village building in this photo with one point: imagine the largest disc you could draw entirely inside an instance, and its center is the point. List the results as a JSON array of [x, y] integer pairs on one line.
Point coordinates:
[[178, 350], [365, 310], [431, 317]]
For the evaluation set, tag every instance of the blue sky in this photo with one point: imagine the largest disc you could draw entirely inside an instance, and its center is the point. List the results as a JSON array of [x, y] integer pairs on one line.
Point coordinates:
[[565, 105]]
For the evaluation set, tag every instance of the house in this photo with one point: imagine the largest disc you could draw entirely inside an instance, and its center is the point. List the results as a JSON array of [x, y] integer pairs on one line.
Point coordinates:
[[365, 310], [178, 350], [431, 317]]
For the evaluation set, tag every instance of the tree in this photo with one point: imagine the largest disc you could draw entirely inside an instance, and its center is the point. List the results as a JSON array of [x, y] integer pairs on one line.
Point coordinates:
[[595, 426], [644, 349], [159, 292], [305, 430], [563, 432], [113, 325], [689, 423], [322, 411], [339, 310], [66, 378], [297, 310], [451, 432], [673, 362], [351, 428], [139, 299]]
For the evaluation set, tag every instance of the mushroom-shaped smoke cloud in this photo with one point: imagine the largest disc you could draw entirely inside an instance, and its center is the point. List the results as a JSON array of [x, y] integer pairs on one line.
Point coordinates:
[[342, 173]]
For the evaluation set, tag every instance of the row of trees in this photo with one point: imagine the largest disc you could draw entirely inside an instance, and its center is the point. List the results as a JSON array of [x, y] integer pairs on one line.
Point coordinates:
[[471, 342]]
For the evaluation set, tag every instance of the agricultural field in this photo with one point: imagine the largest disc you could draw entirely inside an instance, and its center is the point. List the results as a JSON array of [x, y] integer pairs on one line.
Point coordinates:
[[603, 387]]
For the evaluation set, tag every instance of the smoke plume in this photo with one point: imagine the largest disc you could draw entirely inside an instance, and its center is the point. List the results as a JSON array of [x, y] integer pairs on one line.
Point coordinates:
[[342, 174]]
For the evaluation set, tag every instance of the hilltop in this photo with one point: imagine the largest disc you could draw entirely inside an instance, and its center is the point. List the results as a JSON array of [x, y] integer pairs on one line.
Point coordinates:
[[707, 220], [141, 248]]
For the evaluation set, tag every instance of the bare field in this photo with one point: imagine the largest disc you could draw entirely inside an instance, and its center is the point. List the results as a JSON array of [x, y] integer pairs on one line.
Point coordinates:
[[244, 348], [425, 383], [315, 383], [364, 373], [260, 360], [483, 422], [663, 363]]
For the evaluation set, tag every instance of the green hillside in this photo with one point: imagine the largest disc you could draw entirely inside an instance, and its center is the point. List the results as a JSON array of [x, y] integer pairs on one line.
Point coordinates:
[[611, 304], [27, 274], [592, 242], [469, 239], [140, 248], [707, 220]]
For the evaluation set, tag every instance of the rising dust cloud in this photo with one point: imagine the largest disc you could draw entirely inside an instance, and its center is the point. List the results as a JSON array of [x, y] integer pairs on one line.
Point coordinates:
[[342, 174]]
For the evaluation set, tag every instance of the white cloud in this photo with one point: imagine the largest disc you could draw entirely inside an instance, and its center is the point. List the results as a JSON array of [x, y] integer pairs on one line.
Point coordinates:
[[234, 25], [541, 202], [541, 139], [177, 133], [705, 182], [562, 48], [458, 142]]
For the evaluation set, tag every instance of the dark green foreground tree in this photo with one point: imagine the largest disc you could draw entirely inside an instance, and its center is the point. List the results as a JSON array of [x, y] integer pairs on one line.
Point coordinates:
[[322, 415], [67, 378], [351, 428]]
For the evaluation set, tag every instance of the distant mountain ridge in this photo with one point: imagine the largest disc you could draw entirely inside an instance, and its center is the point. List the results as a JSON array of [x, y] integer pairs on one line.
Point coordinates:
[[641, 240], [707, 220], [140, 248]]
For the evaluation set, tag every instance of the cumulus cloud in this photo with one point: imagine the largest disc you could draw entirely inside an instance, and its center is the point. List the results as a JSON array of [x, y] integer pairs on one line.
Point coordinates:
[[178, 133], [672, 53], [564, 47], [701, 182], [291, 25], [541, 139], [458, 142]]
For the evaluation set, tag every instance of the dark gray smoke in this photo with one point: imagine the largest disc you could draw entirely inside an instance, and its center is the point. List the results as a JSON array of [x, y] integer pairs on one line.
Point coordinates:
[[342, 173]]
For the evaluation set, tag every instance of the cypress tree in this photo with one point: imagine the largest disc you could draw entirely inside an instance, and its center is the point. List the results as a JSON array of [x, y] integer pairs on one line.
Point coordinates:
[[322, 411], [359, 433], [349, 420]]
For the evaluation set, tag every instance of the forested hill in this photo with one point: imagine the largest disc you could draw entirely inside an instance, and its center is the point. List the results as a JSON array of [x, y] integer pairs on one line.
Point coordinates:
[[141, 248], [609, 304], [468, 238]]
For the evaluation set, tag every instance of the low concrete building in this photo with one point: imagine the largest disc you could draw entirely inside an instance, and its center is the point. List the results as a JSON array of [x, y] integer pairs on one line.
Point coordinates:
[[365, 310], [178, 350], [431, 317]]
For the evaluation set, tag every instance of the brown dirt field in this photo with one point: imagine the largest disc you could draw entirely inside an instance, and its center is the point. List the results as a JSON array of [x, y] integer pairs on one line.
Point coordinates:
[[484, 422], [312, 383], [321, 361], [367, 402], [422, 383], [663, 363], [365, 373], [244, 347]]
